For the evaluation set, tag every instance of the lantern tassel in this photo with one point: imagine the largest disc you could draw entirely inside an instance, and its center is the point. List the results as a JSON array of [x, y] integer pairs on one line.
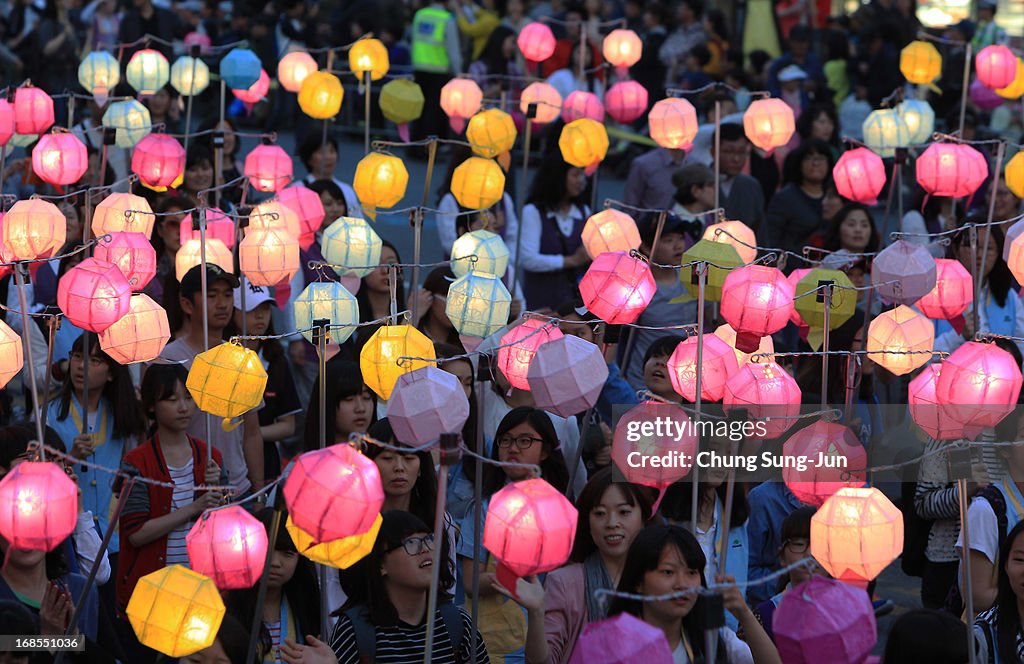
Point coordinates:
[[657, 502], [505, 160], [457, 124], [590, 170], [958, 323], [403, 131], [747, 342], [228, 426]]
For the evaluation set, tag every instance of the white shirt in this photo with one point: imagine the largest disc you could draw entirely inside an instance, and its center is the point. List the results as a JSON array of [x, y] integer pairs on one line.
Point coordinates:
[[531, 259], [87, 545], [736, 651]]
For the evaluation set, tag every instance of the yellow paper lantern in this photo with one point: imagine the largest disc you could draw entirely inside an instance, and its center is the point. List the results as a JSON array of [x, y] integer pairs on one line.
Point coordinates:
[[379, 359], [268, 256], [1014, 175], [227, 381], [901, 330], [884, 131], [547, 99], [489, 248], [341, 553], [920, 62], [856, 534], [189, 76], [120, 212], [584, 143], [720, 258], [369, 55], [478, 183], [320, 95], [844, 299], [491, 133], [380, 181], [401, 101], [293, 69], [1016, 89], [11, 354], [175, 611], [734, 233], [769, 123], [138, 336], [190, 255], [610, 230], [766, 345], [34, 228]]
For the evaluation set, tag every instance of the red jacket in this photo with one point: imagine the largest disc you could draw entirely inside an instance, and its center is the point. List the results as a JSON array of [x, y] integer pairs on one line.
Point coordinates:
[[148, 501]]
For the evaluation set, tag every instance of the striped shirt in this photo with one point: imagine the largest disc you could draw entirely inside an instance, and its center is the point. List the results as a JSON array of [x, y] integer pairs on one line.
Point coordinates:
[[274, 629], [403, 643], [184, 495]]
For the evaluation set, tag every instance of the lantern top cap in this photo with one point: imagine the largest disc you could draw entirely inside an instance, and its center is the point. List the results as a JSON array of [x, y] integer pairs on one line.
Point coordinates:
[[192, 282]]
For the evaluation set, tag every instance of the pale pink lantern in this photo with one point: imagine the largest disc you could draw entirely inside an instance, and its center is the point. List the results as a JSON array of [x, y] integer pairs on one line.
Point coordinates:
[[519, 345], [757, 301], [982, 383], [718, 362], [622, 639], [824, 620], [610, 230], [843, 461], [996, 66], [769, 123], [735, 234], [140, 335], [900, 340], [567, 375], [530, 527], [219, 226], [673, 123], [256, 92], [94, 294], [308, 207], [60, 159], [34, 228], [953, 292], [6, 121], [426, 403], [199, 39], [630, 449], [460, 100], [268, 256], [859, 175], [38, 506], [547, 99], [228, 545], [983, 96], [766, 390], [536, 42], [268, 167], [910, 266], [622, 49], [158, 160], [617, 287], [626, 101], [856, 534], [132, 253], [12, 353], [333, 493], [935, 419], [951, 169], [581, 104], [33, 111], [123, 212]]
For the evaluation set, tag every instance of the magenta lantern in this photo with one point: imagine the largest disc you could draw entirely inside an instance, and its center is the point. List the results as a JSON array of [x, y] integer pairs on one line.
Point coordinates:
[[94, 294], [6, 121], [268, 167], [981, 382], [637, 441], [38, 506], [426, 403], [33, 111], [953, 292], [567, 375], [626, 101], [256, 92], [519, 345], [132, 253], [308, 207], [794, 278], [536, 41], [844, 461], [581, 104], [757, 301], [623, 639], [983, 96], [228, 545], [60, 159], [951, 169], [935, 419], [158, 160], [859, 176], [910, 266], [824, 620], [530, 527], [333, 493], [718, 362], [996, 66], [617, 287], [768, 393], [218, 227]]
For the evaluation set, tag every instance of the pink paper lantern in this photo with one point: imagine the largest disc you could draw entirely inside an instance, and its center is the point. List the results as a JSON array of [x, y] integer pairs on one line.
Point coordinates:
[[94, 294], [60, 159], [547, 99], [268, 256], [308, 207], [256, 92], [766, 390], [824, 620], [123, 212], [38, 506], [996, 66], [460, 100], [34, 228], [6, 121], [33, 111], [140, 335], [635, 442], [536, 42], [229, 546], [794, 278], [623, 639], [757, 301], [933, 418], [567, 375], [581, 104], [859, 176], [333, 493], [268, 167], [838, 447], [953, 291], [158, 160], [910, 266], [617, 287], [530, 527], [718, 363], [981, 383], [132, 253], [626, 101], [219, 226], [769, 123], [426, 403], [673, 123], [983, 96], [519, 345], [951, 169], [199, 39], [856, 534]]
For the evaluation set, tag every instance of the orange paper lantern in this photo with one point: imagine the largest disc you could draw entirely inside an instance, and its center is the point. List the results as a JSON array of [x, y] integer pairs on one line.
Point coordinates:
[[369, 56], [34, 228], [584, 144], [673, 123], [268, 256], [900, 330], [737, 235], [547, 99], [190, 255], [622, 48], [769, 123], [138, 336], [856, 534], [123, 212], [610, 230], [293, 69]]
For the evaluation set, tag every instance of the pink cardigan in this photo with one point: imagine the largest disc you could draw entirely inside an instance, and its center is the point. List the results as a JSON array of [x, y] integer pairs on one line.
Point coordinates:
[[565, 611]]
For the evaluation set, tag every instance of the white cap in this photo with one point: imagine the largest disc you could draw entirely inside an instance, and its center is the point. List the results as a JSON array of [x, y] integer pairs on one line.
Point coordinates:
[[792, 73], [254, 296]]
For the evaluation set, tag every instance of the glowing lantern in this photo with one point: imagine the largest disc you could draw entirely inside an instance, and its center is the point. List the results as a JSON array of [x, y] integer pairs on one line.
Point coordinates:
[[123, 212], [99, 72], [271, 215], [190, 255], [983, 97], [884, 131], [132, 253], [425, 404], [138, 336], [519, 345], [268, 167], [673, 123], [981, 383], [401, 101], [765, 349], [489, 249], [767, 392], [622, 48], [321, 95], [240, 68], [933, 418], [843, 461], [369, 56], [341, 553], [218, 226], [584, 144], [491, 133], [460, 100], [720, 258], [859, 175], [1016, 89], [910, 266], [638, 449], [547, 99], [351, 243], [620, 640], [38, 506], [478, 183], [844, 298], [920, 62], [256, 92], [567, 375], [175, 611], [919, 117], [608, 231], [856, 534], [380, 358], [953, 292], [530, 527], [331, 301], [901, 330], [951, 169], [131, 121], [293, 69], [307, 206], [626, 101], [190, 76], [11, 352], [769, 123], [148, 71], [229, 546], [158, 160], [794, 278], [825, 621], [718, 362], [478, 304], [33, 111], [1014, 176], [380, 181], [34, 228], [536, 41], [617, 287], [996, 66], [737, 235], [756, 301], [582, 104], [94, 294], [268, 256], [6, 121], [60, 159], [1014, 250], [227, 381]]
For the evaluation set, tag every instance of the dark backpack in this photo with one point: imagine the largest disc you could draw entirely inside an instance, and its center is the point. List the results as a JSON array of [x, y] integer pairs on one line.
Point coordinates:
[[955, 600], [915, 533], [366, 633]]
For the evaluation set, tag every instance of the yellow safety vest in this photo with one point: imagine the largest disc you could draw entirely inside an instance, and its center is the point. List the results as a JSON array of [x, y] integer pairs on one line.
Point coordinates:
[[429, 47]]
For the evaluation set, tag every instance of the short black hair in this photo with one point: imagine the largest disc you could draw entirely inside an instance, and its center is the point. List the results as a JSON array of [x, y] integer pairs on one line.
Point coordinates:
[[662, 347]]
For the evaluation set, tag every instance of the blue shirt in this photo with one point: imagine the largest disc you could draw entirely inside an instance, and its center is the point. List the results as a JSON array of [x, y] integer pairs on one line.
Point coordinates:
[[770, 503]]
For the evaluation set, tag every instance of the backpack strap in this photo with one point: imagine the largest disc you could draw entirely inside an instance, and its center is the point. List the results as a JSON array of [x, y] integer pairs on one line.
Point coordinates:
[[452, 617], [997, 500], [366, 633]]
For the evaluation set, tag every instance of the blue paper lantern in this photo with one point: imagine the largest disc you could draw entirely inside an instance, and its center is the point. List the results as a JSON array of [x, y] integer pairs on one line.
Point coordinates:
[[131, 121], [330, 300], [98, 73], [240, 69], [478, 304], [350, 242]]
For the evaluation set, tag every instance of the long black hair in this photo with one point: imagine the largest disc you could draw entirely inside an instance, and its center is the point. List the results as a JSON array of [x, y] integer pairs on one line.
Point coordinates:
[[832, 242], [344, 379], [999, 279], [1008, 620], [792, 167], [446, 353], [363, 297], [423, 499], [591, 495], [493, 55], [158, 384], [548, 186], [553, 469]]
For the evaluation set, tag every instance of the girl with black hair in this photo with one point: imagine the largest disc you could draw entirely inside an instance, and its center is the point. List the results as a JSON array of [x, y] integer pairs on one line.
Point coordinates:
[[199, 172], [166, 240], [319, 154], [655, 367], [997, 631], [820, 122], [230, 647], [497, 59], [794, 213], [231, 166], [851, 231], [351, 405], [374, 294], [668, 559]]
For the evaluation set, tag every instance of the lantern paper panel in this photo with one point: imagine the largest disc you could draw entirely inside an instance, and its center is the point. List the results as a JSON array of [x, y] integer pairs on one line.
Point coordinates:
[[227, 381], [996, 66], [99, 72], [530, 527], [268, 167], [884, 131], [900, 330], [219, 226], [94, 294], [491, 133], [765, 390], [307, 206], [567, 375], [148, 71], [321, 95], [981, 384], [478, 304], [919, 117], [735, 234], [673, 123], [536, 42], [631, 450], [584, 144], [626, 101], [904, 272], [1016, 89], [933, 418], [190, 76], [229, 546], [824, 620], [131, 121], [268, 257], [12, 353], [617, 287], [351, 242], [138, 336], [859, 175], [34, 228], [401, 101], [190, 254], [425, 404], [720, 258], [122, 212], [60, 159], [769, 123], [622, 639], [718, 362], [38, 506], [757, 301], [478, 183], [293, 69], [272, 215], [518, 347], [843, 462], [609, 231], [132, 253], [920, 62], [480, 251], [460, 100], [764, 352], [6, 121], [331, 301], [856, 534], [33, 111], [380, 359], [176, 611], [844, 298], [582, 104], [240, 68], [547, 100], [380, 181], [951, 169], [341, 553], [953, 292], [622, 48], [256, 92], [369, 56], [158, 160]]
